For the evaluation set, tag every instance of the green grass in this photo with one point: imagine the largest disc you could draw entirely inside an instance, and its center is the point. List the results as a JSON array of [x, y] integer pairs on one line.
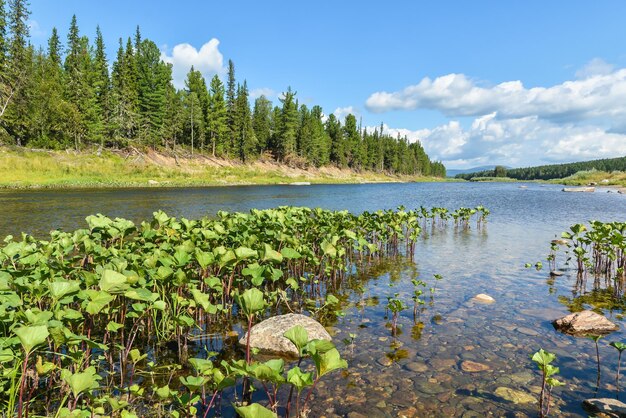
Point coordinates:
[[23, 168], [583, 178]]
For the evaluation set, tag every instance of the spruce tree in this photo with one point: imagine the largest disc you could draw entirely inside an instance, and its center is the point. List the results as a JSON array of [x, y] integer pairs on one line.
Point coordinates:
[[102, 88], [154, 77], [230, 106], [286, 140], [261, 122], [217, 118]]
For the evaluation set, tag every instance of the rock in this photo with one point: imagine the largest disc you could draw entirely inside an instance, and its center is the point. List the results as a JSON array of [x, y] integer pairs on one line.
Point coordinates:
[[527, 331], [416, 367], [384, 361], [580, 189], [560, 241], [556, 273], [474, 367], [608, 407], [515, 396], [152, 182], [483, 298], [267, 335], [585, 322]]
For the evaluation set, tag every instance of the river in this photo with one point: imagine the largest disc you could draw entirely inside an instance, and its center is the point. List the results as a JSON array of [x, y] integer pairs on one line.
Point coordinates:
[[419, 371]]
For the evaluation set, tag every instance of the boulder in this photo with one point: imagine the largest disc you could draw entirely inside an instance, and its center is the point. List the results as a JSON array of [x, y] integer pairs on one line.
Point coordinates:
[[483, 298], [268, 337], [153, 182], [584, 323], [606, 406]]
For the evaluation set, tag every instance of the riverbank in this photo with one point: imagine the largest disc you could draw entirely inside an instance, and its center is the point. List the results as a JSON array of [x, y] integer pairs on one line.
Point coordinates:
[[25, 168]]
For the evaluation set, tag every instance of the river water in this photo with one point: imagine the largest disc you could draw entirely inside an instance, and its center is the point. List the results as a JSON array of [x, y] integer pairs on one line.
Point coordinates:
[[420, 371]]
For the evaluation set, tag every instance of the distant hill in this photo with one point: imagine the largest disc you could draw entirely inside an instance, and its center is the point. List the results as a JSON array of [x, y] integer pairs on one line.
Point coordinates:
[[552, 171], [451, 172]]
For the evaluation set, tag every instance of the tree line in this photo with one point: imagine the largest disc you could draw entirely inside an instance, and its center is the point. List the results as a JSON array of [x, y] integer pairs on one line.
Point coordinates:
[[67, 95], [552, 171]]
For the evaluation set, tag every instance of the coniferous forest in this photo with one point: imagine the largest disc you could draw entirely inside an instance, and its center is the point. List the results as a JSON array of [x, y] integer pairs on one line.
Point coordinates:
[[71, 95], [552, 171]]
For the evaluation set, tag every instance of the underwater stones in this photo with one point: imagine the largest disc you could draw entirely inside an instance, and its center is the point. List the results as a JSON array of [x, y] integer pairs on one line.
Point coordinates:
[[527, 331], [515, 396], [268, 337], [474, 367], [416, 367], [605, 406], [483, 298], [585, 322]]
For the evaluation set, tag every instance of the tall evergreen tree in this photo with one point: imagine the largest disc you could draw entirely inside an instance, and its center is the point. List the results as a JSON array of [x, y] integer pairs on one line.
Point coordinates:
[[261, 122], [286, 138], [217, 117], [3, 37], [230, 105], [244, 134], [154, 77], [102, 88]]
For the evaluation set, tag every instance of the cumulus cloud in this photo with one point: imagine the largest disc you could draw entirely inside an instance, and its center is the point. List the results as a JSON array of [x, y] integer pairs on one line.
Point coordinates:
[[208, 60], [341, 112], [514, 125], [514, 142], [598, 95]]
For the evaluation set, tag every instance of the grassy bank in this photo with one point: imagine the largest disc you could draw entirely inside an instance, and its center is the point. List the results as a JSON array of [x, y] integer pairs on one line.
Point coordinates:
[[22, 168], [600, 178]]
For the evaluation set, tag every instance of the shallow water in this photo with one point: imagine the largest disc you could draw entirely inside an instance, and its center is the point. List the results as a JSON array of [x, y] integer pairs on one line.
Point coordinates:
[[419, 371]]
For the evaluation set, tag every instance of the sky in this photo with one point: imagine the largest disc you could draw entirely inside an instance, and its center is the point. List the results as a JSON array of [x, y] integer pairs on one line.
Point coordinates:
[[477, 83]]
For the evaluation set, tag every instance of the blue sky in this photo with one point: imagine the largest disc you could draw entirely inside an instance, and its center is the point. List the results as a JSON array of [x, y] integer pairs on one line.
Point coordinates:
[[486, 82]]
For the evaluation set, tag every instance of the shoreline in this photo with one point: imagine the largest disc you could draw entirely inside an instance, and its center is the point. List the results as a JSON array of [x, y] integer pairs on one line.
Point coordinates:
[[26, 169]]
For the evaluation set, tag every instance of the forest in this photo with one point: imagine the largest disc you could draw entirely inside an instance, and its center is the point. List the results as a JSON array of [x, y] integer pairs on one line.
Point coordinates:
[[552, 171], [68, 95]]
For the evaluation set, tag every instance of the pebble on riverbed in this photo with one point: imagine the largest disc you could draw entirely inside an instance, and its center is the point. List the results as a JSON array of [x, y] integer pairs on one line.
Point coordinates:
[[483, 298]]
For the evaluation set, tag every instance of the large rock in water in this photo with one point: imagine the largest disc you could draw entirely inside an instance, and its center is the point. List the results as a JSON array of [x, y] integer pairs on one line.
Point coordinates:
[[585, 322], [267, 335], [606, 406]]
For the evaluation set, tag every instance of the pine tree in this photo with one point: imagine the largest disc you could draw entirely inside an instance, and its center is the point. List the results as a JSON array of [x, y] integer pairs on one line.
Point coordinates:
[[286, 139], [154, 77], [3, 37], [216, 118], [230, 106], [15, 78], [102, 88], [244, 134], [261, 122], [334, 132]]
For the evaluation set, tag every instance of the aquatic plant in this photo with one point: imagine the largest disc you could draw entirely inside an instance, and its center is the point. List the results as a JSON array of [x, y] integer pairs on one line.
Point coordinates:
[[595, 339], [619, 346], [395, 305], [543, 359]]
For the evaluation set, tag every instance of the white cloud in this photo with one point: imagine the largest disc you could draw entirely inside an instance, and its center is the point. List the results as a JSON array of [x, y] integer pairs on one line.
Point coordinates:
[[514, 142], [263, 91], [514, 125], [600, 94], [341, 112], [208, 60], [596, 66]]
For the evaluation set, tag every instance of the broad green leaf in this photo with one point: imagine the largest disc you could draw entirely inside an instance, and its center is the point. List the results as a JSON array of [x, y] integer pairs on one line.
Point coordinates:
[[254, 411], [193, 383], [243, 253], [141, 294], [290, 253], [618, 345], [300, 380], [98, 300], [31, 336], [298, 336], [81, 382], [543, 358], [113, 282], [251, 301], [329, 249], [272, 255], [328, 361]]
